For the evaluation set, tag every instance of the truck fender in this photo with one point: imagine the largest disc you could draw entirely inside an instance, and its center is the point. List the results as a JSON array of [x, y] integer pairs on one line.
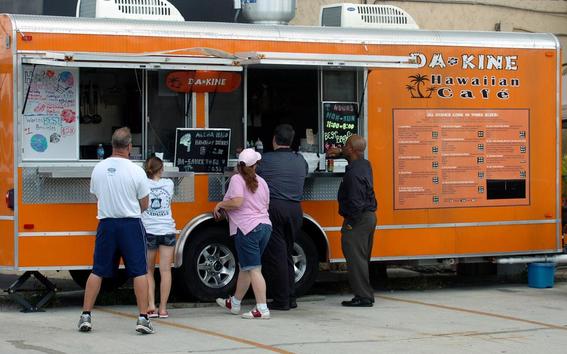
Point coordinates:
[[185, 234], [318, 235]]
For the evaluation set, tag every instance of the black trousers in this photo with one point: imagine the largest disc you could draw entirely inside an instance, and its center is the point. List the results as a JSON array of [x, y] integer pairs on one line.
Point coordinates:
[[277, 263], [357, 239]]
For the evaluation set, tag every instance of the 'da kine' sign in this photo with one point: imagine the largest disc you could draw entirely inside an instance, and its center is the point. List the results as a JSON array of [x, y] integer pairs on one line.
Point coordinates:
[[203, 81], [202, 150], [340, 121]]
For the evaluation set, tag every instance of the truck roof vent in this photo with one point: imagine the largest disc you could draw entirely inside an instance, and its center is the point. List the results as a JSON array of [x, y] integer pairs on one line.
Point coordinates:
[[366, 16], [160, 10]]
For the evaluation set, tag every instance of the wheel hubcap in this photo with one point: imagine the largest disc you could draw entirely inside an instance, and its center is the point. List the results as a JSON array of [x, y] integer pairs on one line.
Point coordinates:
[[299, 261], [216, 265]]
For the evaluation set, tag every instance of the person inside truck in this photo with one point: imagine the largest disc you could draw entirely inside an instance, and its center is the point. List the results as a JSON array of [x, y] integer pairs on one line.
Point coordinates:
[[357, 205]]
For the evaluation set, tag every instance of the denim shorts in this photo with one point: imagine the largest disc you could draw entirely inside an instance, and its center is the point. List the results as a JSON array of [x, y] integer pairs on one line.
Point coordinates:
[[250, 247], [154, 241]]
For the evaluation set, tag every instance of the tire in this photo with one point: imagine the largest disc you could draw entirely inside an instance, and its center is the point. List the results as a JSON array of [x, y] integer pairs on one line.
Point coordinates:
[[306, 262], [209, 266], [108, 284]]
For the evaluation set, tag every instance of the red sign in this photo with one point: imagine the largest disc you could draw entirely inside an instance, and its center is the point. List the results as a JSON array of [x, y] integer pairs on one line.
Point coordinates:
[[203, 81]]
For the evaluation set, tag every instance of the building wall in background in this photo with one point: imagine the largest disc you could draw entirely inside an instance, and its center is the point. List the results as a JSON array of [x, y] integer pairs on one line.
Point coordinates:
[[192, 10], [489, 15], [32, 7], [479, 15]]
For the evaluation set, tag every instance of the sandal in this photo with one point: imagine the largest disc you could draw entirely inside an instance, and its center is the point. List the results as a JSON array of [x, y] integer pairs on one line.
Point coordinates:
[[164, 315], [152, 314]]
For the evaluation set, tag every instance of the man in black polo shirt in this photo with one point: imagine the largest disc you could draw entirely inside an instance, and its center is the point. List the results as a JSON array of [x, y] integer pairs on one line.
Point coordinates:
[[284, 171], [357, 205]]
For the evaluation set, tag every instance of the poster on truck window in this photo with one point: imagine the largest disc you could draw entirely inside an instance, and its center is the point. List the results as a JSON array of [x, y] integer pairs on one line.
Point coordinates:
[[340, 121], [50, 121], [202, 150], [455, 158]]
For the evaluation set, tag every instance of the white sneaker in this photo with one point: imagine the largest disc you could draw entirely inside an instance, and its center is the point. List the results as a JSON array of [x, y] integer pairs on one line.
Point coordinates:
[[227, 304], [85, 323], [256, 314], [144, 326]]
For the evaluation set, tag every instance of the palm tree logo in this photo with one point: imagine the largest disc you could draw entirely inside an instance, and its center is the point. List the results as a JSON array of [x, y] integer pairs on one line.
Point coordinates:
[[411, 89], [430, 91], [416, 83]]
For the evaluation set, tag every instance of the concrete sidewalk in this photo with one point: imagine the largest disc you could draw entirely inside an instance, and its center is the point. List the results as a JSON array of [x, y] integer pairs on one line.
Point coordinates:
[[501, 318]]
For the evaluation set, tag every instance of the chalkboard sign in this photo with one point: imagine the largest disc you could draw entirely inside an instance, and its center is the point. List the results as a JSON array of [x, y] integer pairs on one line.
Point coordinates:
[[201, 150], [340, 120], [50, 120]]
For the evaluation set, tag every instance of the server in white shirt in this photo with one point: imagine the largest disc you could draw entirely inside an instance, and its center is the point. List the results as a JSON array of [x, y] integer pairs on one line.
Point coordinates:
[[160, 232], [122, 190]]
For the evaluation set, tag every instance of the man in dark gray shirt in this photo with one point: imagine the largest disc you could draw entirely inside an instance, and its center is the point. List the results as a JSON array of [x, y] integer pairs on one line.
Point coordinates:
[[284, 171], [357, 205]]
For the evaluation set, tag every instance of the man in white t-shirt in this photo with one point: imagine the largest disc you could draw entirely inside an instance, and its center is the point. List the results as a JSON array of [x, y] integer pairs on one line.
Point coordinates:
[[122, 191]]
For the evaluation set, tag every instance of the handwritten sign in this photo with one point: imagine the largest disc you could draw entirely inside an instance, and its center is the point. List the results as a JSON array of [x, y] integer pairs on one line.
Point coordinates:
[[202, 150], [340, 121], [50, 122]]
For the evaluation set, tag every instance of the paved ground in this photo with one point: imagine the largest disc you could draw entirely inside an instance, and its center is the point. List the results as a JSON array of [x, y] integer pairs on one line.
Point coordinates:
[[459, 318]]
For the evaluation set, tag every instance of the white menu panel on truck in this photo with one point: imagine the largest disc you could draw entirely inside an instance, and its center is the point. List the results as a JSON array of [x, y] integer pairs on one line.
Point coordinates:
[[50, 120]]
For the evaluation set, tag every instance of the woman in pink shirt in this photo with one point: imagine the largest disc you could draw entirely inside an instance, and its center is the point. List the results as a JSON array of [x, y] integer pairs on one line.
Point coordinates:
[[246, 202]]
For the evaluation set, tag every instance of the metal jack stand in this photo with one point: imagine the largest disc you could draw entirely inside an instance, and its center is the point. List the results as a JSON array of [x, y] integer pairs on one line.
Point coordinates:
[[27, 306]]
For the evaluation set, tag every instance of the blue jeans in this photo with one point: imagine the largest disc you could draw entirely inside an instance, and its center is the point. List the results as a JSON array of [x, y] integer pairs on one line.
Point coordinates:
[[250, 247]]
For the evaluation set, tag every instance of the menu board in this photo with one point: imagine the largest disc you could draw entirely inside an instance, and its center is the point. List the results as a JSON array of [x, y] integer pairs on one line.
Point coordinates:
[[340, 121], [461, 158], [50, 124], [202, 150]]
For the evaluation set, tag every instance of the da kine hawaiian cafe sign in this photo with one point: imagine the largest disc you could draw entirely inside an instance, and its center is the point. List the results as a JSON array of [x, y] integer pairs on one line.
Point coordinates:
[[202, 81], [464, 85]]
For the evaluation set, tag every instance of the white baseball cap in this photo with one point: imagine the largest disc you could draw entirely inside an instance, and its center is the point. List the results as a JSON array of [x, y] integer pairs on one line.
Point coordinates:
[[249, 157]]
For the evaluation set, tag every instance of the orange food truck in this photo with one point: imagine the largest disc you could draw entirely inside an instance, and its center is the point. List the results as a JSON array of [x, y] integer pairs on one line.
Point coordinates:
[[463, 133]]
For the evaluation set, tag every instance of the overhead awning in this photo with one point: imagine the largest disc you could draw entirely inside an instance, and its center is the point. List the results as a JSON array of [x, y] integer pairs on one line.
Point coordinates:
[[325, 59], [131, 61], [211, 59]]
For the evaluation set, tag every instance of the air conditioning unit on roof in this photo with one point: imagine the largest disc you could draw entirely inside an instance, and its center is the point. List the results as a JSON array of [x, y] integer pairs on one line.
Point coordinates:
[[366, 16], [160, 10]]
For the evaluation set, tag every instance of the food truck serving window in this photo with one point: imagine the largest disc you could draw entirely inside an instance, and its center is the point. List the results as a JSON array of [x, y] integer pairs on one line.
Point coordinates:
[[69, 113], [110, 99], [321, 105], [71, 103]]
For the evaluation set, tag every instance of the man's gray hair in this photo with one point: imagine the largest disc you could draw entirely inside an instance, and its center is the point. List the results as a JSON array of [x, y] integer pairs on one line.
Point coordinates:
[[121, 138]]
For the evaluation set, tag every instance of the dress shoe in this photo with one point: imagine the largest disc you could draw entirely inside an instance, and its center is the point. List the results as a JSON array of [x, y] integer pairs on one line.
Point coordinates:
[[358, 302], [277, 306], [292, 304]]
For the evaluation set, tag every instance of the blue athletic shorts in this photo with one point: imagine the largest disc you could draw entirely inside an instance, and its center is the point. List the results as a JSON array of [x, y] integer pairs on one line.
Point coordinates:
[[250, 247], [120, 237], [154, 241]]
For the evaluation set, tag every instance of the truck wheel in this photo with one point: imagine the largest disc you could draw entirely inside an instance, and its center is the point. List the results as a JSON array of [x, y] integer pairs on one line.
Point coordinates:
[[108, 284], [209, 266], [306, 262]]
